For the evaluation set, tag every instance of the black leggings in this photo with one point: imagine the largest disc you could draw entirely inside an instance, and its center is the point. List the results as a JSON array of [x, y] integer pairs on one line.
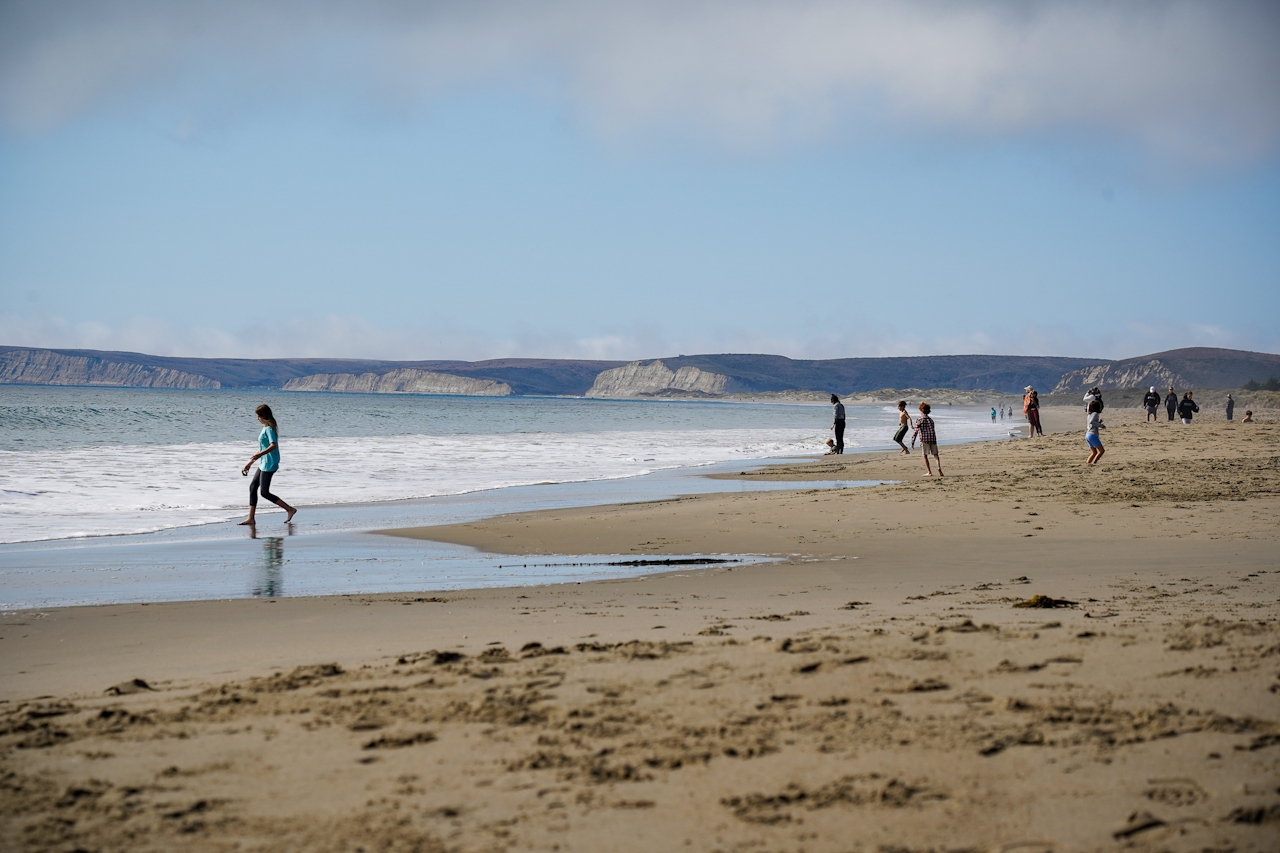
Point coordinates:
[[262, 481], [839, 425]]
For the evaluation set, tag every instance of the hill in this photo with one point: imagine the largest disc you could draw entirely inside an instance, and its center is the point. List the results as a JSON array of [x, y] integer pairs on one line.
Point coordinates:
[[712, 375], [1008, 373], [1193, 367], [29, 365]]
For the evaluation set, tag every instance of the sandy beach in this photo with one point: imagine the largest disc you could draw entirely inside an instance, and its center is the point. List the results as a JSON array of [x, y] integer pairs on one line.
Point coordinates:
[[877, 688]]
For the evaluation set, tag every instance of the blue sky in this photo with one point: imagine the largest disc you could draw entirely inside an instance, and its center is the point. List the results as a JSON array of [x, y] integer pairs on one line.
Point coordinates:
[[435, 181]]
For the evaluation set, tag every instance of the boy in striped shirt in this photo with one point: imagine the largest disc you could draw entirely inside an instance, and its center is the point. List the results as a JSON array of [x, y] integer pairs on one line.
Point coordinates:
[[928, 439]]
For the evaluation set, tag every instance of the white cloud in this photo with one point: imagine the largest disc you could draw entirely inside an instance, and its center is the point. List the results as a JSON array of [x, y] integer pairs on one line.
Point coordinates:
[[1189, 80], [343, 337], [318, 337]]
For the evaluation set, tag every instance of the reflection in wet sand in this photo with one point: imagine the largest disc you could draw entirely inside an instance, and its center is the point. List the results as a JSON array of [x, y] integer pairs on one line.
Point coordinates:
[[271, 579]]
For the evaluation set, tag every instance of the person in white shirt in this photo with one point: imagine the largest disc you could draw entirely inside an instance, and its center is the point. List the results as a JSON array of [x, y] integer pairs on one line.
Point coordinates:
[[1092, 425]]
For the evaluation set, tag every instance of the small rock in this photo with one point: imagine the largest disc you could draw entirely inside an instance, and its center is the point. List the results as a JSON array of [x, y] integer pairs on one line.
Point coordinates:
[[1044, 601], [124, 688], [1138, 822]]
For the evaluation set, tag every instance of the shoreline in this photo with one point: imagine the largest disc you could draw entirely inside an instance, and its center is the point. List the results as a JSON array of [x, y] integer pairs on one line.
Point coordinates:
[[190, 547]]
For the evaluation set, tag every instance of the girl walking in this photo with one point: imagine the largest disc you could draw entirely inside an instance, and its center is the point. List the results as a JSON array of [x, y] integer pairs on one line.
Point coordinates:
[[1092, 425], [268, 458]]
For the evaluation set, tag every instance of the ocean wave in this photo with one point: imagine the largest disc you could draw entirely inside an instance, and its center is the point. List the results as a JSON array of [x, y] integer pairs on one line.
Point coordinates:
[[97, 490]]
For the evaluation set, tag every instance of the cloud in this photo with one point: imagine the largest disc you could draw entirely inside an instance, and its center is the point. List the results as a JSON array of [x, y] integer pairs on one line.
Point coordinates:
[[316, 337], [1190, 82]]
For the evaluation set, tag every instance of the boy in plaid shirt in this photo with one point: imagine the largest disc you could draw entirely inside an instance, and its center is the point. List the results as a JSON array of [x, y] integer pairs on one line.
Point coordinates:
[[928, 439]]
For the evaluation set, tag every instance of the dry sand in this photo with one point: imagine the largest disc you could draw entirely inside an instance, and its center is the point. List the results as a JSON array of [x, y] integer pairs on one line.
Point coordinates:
[[875, 690]]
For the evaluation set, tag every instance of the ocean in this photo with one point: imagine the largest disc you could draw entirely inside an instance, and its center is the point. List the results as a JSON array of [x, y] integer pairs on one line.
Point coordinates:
[[125, 478]]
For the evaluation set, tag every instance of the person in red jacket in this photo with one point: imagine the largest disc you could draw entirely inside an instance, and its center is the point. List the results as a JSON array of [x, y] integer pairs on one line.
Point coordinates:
[[1031, 408]]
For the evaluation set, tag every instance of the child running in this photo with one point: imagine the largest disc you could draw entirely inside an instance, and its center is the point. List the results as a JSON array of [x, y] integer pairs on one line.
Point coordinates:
[[928, 439], [1092, 425], [904, 421], [269, 454]]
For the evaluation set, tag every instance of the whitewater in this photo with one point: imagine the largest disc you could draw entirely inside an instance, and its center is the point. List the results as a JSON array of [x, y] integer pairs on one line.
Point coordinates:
[[88, 462]]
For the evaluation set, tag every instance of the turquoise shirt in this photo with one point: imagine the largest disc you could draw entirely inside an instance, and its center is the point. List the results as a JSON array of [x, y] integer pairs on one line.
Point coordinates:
[[266, 438]]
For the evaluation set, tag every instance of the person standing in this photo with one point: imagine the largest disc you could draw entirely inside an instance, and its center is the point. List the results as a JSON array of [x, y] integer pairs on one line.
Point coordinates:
[[1231, 407], [837, 423], [1093, 423], [1151, 402], [928, 435], [1171, 402], [1187, 408], [993, 414], [268, 459], [1031, 408], [904, 422]]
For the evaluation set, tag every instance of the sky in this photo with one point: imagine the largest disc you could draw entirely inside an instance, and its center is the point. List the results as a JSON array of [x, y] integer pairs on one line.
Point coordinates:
[[629, 180]]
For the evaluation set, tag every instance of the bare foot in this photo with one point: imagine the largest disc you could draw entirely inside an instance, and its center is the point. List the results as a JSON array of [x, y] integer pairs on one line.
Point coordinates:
[[930, 474], [248, 521], [288, 518]]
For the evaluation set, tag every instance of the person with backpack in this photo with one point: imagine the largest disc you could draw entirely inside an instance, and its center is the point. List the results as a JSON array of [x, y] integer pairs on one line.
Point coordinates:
[[1151, 402], [1171, 402], [1031, 408], [1187, 408]]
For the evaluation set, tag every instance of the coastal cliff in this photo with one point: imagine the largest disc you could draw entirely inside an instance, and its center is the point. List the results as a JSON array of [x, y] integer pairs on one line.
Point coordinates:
[[42, 367], [718, 375], [1193, 367], [1121, 375], [655, 379], [402, 381]]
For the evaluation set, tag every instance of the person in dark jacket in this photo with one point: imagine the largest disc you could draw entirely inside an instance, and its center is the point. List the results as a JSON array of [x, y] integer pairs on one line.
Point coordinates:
[[1187, 408], [1231, 408], [1151, 402], [837, 423], [1171, 402]]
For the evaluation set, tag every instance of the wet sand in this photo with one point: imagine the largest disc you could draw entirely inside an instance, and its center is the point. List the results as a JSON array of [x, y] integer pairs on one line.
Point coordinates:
[[876, 689]]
